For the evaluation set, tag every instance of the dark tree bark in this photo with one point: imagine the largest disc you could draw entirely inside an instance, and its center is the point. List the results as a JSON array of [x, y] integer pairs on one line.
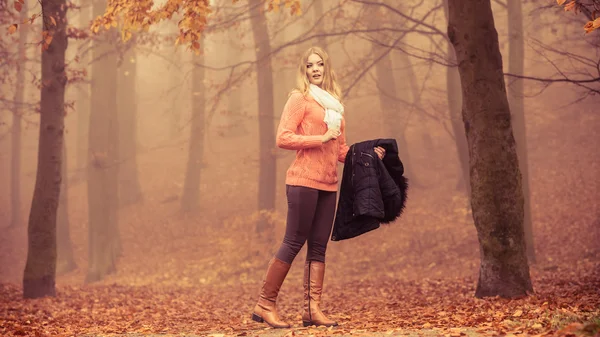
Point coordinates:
[[130, 191], [267, 170], [104, 246], [15, 168], [516, 65], [497, 195], [65, 258], [40, 269], [191, 186], [454, 97]]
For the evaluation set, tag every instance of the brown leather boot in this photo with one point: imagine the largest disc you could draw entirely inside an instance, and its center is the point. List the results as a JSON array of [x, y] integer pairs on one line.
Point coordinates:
[[314, 273], [266, 308]]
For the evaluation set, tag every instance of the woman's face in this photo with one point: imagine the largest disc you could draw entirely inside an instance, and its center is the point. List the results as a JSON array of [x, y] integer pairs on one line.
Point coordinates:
[[314, 69]]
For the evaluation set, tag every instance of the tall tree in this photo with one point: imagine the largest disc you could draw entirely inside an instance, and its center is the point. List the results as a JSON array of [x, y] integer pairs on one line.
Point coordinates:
[[130, 190], [497, 195], [237, 122], [15, 162], [318, 15], [454, 98], [516, 65], [264, 72], [103, 149], [82, 106], [390, 106], [191, 186], [390, 95], [40, 269], [65, 260], [175, 81], [403, 61]]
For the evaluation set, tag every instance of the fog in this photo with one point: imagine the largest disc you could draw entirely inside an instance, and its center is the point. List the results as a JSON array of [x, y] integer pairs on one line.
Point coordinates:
[[218, 241]]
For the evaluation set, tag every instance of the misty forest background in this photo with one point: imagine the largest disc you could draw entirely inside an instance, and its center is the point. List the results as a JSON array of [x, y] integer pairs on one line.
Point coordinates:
[[171, 176]]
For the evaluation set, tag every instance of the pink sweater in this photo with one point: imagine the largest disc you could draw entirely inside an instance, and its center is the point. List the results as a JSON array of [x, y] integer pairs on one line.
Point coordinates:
[[300, 128]]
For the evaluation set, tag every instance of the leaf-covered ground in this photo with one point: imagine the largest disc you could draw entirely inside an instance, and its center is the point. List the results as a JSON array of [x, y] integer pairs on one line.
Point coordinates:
[[198, 273], [386, 305]]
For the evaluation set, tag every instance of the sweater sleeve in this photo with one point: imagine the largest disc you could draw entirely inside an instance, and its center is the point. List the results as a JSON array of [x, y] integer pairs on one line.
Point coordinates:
[[343, 146], [292, 116]]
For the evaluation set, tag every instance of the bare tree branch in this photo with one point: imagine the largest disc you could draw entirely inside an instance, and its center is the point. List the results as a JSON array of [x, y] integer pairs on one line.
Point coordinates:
[[556, 80]]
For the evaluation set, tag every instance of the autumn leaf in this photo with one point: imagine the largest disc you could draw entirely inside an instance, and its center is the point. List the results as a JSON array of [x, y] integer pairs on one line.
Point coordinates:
[[18, 6], [33, 17], [52, 20], [12, 28], [561, 2], [570, 6], [592, 25], [126, 35]]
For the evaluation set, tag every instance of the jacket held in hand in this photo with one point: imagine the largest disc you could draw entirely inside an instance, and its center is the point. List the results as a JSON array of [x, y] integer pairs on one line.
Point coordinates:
[[373, 191]]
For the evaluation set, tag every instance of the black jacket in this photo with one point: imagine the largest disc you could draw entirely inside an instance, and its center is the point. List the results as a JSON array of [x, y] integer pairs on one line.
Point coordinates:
[[373, 191]]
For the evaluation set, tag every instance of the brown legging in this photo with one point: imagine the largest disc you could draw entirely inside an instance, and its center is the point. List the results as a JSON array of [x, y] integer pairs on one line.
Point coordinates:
[[310, 217]]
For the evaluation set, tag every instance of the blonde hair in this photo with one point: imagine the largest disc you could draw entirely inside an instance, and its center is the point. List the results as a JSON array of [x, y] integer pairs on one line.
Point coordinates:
[[329, 79]]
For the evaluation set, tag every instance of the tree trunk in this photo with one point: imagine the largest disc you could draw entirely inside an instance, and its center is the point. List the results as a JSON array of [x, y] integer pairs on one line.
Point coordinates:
[[321, 41], [129, 184], [175, 93], [191, 186], [15, 169], [415, 91], [40, 269], [390, 107], [497, 196], [237, 120], [267, 170], [396, 122], [454, 97], [390, 95], [82, 106], [284, 80], [388, 98], [516, 65], [102, 169], [65, 259]]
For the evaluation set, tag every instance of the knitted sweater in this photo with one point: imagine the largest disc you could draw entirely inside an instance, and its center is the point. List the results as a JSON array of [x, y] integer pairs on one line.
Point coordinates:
[[300, 128]]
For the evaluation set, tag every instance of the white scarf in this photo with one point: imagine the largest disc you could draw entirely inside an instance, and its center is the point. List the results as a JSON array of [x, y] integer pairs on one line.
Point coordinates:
[[333, 108]]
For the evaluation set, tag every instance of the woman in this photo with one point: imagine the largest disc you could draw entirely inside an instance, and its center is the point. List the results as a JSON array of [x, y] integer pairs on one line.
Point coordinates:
[[312, 123]]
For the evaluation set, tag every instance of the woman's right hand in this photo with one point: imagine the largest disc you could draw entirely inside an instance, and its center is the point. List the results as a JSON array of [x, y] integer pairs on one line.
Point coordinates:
[[329, 135]]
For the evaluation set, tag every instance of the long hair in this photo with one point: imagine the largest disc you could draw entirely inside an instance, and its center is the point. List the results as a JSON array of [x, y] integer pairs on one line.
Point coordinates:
[[329, 79]]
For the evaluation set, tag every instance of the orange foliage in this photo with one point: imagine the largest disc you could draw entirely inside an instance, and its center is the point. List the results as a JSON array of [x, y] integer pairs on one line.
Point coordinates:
[[577, 6], [141, 14], [134, 15]]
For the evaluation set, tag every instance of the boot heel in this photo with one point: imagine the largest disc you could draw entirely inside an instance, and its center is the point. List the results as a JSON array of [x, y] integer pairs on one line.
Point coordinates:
[[306, 323], [257, 318]]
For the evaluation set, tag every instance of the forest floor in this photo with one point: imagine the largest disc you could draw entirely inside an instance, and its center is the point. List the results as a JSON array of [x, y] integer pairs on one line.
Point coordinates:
[[566, 303]]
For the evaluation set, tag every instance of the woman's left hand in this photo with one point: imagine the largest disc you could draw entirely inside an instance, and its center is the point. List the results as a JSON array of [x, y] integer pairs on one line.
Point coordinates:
[[380, 152]]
